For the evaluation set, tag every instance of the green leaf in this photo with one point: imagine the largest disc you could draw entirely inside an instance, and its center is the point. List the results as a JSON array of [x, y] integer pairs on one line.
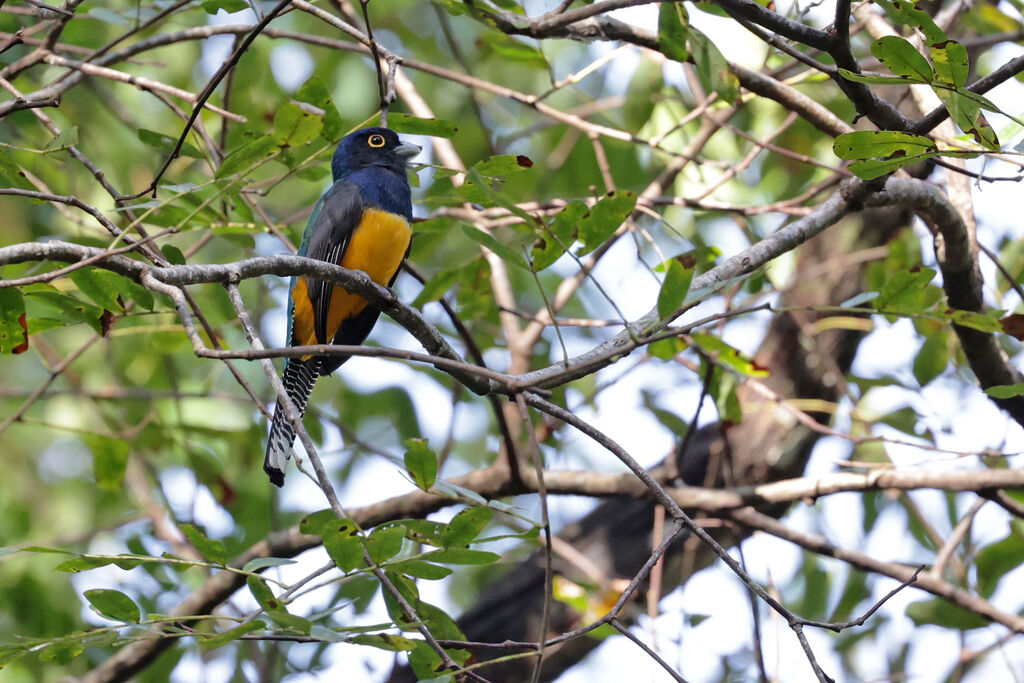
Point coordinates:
[[69, 309], [436, 286], [243, 158], [210, 549], [165, 143], [315, 92], [232, 634], [902, 58], [938, 612], [1005, 390], [985, 322], [42, 549], [466, 526], [66, 138], [80, 564], [728, 355], [462, 556], [113, 604], [905, 13], [673, 30], [62, 651], [604, 218], [867, 144], [313, 174], [712, 68], [294, 126], [423, 660], [673, 288], [343, 544], [13, 325], [477, 189], [933, 357], [484, 239], [854, 592], [424, 531], [420, 463], [438, 128], [905, 292], [723, 388], [644, 88], [264, 562], [966, 113], [385, 641], [420, 570], [875, 168], [874, 80], [951, 63], [314, 522], [229, 6], [509, 50], [383, 543], [109, 461], [558, 235], [9, 653], [994, 561], [173, 255], [263, 595], [666, 349], [502, 165], [100, 286], [11, 175], [137, 293], [286, 620]]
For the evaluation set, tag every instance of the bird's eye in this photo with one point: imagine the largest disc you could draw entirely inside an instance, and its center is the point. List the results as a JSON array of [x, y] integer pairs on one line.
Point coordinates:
[[375, 141]]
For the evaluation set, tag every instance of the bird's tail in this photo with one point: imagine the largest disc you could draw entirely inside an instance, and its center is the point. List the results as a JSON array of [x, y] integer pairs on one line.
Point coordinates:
[[298, 379]]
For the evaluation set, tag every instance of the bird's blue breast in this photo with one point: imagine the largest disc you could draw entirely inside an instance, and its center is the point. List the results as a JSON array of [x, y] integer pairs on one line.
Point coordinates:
[[384, 189]]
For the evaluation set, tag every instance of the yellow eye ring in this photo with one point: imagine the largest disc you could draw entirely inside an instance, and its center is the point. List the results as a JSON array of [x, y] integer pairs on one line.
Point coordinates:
[[375, 140]]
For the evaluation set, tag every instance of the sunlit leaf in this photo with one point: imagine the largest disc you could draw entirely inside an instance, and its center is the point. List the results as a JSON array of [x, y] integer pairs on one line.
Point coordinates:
[[867, 144], [951, 62], [902, 58], [315, 92], [293, 126]]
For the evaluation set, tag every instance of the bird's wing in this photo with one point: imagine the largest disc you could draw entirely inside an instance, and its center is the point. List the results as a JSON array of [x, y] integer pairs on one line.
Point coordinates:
[[331, 227]]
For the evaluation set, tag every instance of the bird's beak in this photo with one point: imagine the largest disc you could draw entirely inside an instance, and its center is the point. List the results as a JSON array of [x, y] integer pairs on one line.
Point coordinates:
[[407, 150]]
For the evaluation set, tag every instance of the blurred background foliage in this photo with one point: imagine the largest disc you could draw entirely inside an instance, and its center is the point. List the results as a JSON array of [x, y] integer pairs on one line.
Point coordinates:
[[114, 434]]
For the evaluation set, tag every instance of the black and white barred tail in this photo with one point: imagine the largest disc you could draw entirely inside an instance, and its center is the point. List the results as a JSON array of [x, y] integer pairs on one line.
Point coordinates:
[[298, 379]]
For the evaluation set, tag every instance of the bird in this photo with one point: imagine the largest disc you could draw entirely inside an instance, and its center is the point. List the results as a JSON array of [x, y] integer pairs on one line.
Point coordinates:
[[362, 222]]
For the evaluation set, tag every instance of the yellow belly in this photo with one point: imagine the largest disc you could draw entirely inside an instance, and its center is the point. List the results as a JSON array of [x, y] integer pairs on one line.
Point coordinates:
[[377, 247]]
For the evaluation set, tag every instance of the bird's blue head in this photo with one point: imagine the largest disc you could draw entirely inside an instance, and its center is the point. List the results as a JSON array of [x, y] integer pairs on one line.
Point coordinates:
[[371, 147]]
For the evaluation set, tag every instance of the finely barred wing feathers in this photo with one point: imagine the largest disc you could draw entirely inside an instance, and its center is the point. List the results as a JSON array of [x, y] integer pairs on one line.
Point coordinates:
[[299, 377], [331, 229]]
